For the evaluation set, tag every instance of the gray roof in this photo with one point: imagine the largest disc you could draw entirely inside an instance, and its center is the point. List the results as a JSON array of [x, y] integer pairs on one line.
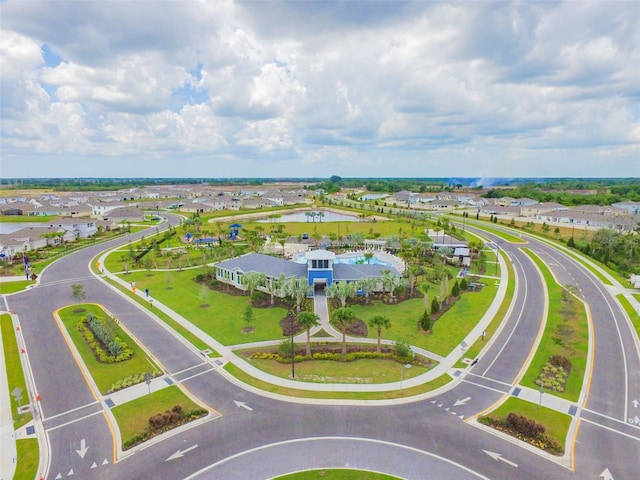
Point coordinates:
[[272, 266], [343, 271]]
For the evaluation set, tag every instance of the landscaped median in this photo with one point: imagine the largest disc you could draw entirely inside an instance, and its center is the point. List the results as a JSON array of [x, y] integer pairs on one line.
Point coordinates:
[[108, 372], [115, 361], [558, 368]]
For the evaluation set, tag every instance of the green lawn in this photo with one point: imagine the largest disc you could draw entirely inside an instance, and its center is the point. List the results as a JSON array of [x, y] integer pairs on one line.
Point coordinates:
[[12, 287], [218, 314], [28, 459], [556, 423], [15, 375], [479, 344], [104, 374], [337, 474], [575, 347], [633, 314], [292, 392], [190, 337], [448, 331], [133, 416], [363, 371]]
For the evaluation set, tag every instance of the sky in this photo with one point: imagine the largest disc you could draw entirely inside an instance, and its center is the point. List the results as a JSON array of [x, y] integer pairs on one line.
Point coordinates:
[[219, 89]]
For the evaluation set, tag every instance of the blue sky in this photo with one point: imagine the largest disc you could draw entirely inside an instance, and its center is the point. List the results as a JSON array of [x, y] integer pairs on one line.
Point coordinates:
[[309, 88]]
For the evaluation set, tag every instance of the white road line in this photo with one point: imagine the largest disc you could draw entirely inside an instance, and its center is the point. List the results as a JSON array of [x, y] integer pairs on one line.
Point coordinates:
[[69, 411], [99, 412], [190, 368]]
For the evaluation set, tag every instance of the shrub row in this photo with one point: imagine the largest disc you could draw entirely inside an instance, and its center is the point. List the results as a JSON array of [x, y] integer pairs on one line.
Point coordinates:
[[130, 380], [99, 351], [114, 344]]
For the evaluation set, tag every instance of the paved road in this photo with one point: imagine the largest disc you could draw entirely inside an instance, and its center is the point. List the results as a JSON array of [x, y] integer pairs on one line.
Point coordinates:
[[425, 439]]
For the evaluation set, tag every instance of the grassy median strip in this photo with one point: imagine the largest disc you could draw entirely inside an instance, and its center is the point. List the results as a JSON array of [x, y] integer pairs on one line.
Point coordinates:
[[566, 336], [15, 374], [28, 459], [104, 374], [133, 417], [633, 314]]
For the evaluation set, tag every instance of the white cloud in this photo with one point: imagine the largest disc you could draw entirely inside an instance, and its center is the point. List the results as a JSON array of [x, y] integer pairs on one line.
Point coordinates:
[[409, 88]]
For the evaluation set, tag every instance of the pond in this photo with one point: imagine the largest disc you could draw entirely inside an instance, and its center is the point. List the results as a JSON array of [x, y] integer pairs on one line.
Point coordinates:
[[304, 217], [10, 227]]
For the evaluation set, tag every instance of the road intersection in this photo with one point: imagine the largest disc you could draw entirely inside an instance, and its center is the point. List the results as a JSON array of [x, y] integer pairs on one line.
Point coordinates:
[[251, 434]]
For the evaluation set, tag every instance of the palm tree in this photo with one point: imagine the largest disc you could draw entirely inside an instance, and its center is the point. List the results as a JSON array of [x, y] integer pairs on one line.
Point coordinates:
[[344, 317], [378, 322], [275, 285], [424, 289], [320, 215], [253, 280], [342, 291], [297, 289], [413, 271], [308, 320], [308, 215], [368, 256], [367, 285]]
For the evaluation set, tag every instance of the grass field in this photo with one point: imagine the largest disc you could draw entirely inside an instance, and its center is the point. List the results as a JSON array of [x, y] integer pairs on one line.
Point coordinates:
[[574, 347], [218, 314], [133, 417], [104, 374], [448, 331]]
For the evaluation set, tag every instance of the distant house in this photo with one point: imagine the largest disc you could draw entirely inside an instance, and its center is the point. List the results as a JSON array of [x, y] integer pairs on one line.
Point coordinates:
[[81, 228]]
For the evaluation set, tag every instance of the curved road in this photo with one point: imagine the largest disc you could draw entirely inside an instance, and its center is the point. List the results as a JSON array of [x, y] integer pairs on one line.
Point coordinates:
[[265, 437]]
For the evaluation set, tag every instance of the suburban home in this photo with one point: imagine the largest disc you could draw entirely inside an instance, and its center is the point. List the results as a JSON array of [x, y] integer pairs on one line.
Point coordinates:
[[81, 228]]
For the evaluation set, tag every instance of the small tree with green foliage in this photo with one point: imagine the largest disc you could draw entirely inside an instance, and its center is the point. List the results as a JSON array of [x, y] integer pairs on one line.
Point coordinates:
[[425, 321], [77, 292], [455, 291], [435, 306], [248, 317]]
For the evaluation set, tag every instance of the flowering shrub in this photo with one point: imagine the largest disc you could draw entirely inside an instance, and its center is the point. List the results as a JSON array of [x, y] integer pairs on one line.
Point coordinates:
[[526, 430]]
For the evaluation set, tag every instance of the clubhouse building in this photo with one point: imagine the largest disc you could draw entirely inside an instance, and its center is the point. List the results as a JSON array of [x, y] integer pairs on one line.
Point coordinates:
[[320, 268]]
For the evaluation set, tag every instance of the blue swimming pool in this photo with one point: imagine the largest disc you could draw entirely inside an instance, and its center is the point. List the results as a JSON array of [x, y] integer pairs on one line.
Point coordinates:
[[348, 260]]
